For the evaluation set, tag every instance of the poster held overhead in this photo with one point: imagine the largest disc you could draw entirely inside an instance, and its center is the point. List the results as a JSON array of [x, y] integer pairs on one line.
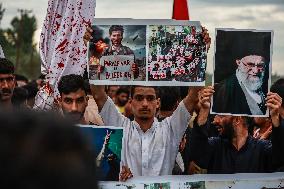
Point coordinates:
[[147, 52], [242, 72]]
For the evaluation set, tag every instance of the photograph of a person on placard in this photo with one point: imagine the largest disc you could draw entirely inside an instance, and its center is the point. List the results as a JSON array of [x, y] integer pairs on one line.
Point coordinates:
[[106, 144], [118, 52], [176, 53], [242, 72]]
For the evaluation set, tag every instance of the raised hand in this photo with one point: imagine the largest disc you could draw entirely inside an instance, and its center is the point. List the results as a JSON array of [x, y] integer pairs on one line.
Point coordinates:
[[204, 97], [88, 35], [273, 102], [206, 38]]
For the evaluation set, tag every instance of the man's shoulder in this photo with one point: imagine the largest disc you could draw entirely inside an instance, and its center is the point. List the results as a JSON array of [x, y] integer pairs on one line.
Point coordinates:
[[127, 50]]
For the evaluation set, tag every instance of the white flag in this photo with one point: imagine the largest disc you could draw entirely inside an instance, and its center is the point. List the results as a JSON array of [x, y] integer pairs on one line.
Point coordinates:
[[62, 49]]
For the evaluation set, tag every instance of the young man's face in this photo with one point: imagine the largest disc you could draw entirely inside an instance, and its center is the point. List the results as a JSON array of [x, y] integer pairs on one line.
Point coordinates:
[[116, 38], [252, 71], [74, 104], [144, 103], [112, 90], [122, 99], [7, 85]]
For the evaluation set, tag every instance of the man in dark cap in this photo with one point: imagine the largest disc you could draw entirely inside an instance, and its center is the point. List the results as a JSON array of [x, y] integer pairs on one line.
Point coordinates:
[[244, 91]]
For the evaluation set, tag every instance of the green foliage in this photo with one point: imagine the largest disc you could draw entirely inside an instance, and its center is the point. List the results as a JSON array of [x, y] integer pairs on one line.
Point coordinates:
[[18, 45]]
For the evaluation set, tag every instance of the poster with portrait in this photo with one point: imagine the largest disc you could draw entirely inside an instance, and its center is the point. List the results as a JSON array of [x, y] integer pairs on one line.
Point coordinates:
[[106, 143], [147, 52], [242, 72]]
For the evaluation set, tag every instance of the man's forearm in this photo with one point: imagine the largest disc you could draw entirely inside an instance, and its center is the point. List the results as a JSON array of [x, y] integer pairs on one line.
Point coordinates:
[[99, 95], [275, 120], [189, 104], [202, 116], [191, 100]]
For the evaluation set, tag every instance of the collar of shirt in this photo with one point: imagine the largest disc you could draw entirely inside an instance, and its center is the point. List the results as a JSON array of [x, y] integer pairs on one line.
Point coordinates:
[[149, 131]]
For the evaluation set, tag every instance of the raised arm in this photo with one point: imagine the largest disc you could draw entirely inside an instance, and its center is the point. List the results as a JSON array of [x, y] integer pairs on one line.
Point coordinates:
[[99, 95], [273, 102], [204, 101], [200, 145]]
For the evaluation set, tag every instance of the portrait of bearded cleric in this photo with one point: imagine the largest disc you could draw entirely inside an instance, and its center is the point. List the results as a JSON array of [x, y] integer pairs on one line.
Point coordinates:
[[242, 72]]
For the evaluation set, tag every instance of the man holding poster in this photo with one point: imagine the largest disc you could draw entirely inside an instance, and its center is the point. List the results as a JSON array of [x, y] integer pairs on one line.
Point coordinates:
[[149, 147]]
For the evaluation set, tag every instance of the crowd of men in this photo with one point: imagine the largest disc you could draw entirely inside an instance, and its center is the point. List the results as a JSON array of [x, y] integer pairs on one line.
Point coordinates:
[[167, 130]]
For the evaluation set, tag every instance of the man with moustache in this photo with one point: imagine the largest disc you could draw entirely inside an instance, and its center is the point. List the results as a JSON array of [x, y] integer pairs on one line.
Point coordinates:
[[245, 90], [73, 100], [7, 83], [235, 151], [121, 99]]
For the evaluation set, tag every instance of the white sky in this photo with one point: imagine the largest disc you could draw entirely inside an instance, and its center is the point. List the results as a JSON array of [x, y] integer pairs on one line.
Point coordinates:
[[240, 14]]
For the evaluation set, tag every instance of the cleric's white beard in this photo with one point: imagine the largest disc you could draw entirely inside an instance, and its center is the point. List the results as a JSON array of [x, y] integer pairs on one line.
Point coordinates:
[[252, 84]]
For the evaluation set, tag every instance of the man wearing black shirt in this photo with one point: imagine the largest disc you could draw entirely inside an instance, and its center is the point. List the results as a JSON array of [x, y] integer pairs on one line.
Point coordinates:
[[235, 151]]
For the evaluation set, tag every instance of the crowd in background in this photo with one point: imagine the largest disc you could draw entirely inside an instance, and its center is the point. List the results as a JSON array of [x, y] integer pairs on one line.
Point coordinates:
[[79, 103]]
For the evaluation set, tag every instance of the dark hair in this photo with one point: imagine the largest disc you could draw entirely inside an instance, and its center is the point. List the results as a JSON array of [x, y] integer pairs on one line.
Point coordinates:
[[19, 77], [169, 98], [278, 87], [32, 89], [87, 86], [135, 86], [20, 95], [122, 90], [42, 76], [41, 150], [71, 83], [116, 28], [6, 66]]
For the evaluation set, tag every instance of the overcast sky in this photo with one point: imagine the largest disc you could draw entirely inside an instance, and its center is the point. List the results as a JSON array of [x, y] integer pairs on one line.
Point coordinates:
[[240, 14]]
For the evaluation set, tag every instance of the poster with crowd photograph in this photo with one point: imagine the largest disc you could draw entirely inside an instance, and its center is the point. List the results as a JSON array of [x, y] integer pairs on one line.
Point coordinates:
[[147, 52], [242, 72], [106, 144]]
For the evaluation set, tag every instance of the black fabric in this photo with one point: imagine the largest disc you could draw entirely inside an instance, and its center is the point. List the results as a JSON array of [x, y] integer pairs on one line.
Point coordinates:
[[230, 98], [219, 156]]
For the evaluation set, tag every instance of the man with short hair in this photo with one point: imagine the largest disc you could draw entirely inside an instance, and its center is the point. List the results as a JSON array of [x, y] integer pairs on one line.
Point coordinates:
[[7, 82], [149, 147], [116, 37], [111, 91], [73, 100], [121, 99]]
